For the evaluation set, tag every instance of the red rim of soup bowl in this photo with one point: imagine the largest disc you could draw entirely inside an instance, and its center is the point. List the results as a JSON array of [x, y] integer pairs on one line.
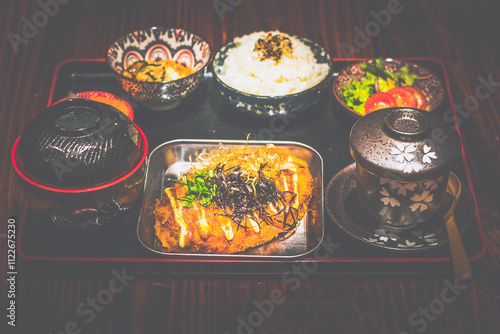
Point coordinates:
[[143, 146]]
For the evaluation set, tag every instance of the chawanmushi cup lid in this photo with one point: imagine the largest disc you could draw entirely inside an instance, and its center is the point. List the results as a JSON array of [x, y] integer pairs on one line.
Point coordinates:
[[404, 143], [78, 144]]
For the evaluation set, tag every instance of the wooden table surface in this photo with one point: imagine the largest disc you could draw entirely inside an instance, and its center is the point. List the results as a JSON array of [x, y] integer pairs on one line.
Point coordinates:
[[462, 34]]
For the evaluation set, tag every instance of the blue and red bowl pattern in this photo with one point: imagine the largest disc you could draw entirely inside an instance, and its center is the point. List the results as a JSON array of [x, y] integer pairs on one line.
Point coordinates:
[[159, 43]]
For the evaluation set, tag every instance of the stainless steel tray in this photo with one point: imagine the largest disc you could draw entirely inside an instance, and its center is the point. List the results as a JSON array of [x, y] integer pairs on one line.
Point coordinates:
[[170, 159]]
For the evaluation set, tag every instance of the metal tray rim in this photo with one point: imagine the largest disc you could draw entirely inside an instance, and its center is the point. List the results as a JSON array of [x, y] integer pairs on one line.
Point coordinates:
[[234, 142]]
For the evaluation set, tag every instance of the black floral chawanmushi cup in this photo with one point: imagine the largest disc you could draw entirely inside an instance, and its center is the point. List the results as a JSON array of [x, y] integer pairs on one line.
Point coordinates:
[[403, 160]]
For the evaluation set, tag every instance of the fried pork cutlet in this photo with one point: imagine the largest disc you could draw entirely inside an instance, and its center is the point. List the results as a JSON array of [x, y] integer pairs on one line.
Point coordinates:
[[239, 198]]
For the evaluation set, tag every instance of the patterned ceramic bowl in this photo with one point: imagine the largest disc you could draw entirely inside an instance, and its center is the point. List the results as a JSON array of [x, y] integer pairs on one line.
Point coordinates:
[[403, 161], [159, 43], [429, 84], [265, 105]]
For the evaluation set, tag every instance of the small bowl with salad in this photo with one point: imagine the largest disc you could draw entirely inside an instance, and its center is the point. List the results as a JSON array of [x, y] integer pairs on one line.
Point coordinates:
[[385, 83]]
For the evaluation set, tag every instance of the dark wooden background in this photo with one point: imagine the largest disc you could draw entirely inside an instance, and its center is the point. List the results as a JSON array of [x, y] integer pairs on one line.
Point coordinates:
[[463, 34]]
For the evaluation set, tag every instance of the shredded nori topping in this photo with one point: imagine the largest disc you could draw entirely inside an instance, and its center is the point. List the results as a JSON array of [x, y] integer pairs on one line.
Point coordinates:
[[242, 198], [273, 47]]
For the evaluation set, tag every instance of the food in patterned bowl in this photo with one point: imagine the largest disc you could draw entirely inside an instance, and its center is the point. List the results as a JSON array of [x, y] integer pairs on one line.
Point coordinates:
[[159, 66], [272, 73], [403, 160]]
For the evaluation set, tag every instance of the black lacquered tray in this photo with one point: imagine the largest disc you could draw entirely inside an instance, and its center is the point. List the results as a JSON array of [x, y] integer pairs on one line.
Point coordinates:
[[205, 116]]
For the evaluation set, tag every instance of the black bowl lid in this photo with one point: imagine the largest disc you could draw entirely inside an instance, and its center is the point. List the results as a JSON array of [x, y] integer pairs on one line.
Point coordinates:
[[78, 143], [404, 143]]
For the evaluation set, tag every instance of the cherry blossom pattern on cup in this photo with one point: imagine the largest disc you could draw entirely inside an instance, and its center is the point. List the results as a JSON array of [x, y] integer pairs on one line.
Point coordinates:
[[416, 238], [410, 148], [392, 191]]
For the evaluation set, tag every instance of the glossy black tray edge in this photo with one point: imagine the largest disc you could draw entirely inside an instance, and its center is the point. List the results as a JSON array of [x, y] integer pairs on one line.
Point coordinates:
[[387, 263]]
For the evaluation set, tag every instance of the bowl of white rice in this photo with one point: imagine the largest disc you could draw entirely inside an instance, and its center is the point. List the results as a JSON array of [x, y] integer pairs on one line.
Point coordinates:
[[272, 73]]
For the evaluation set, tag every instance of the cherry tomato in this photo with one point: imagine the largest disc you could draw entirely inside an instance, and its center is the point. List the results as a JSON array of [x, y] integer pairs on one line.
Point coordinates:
[[379, 101], [404, 98], [421, 100]]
